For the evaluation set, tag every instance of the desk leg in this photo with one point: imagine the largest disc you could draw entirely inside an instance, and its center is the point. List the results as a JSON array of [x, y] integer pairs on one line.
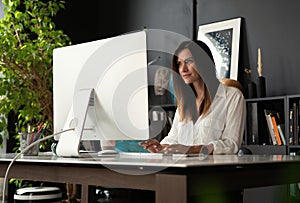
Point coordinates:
[[84, 193], [88, 193], [171, 188]]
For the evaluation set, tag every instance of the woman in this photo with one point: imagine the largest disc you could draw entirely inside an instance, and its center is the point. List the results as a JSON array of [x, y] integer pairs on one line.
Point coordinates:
[[199, 124]]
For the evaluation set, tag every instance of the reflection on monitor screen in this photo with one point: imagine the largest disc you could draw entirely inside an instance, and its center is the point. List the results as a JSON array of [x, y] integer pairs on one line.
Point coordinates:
[[100, 89]]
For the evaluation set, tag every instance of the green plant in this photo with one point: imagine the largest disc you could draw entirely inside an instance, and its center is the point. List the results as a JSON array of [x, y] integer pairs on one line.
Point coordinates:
[[28, 36]]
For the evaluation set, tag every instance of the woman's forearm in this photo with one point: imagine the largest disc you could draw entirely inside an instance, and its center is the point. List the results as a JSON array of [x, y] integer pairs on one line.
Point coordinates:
[[205, 149]]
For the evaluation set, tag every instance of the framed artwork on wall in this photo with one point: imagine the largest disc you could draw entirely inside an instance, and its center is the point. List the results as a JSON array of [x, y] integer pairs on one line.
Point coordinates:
[[223, 39]]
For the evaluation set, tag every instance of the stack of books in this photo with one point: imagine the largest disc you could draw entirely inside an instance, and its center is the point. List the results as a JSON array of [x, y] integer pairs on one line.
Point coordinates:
[[275, 127]]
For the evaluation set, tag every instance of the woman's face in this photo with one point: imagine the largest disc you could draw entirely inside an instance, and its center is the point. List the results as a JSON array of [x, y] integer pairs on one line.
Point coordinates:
[[187, 67]]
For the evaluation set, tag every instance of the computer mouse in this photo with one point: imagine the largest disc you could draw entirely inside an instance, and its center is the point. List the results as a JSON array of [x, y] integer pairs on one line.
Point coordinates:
[[243, 151]]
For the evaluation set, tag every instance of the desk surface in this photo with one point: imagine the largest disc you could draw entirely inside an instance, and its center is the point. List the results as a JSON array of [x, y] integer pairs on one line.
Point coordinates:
[[165, 161], [165, 175]]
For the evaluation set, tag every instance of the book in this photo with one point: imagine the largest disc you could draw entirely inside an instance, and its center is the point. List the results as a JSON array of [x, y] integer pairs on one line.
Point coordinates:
[[295, 123], [281, 133], [252, 123], [291, 131], [270, 127], [275, 120], [278, 139]]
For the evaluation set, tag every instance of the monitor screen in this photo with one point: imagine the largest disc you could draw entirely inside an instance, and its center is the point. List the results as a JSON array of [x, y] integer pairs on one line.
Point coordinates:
[[100, 89]]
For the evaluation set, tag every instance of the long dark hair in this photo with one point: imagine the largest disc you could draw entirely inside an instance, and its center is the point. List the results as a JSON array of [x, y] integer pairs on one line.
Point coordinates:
[[186, 94]]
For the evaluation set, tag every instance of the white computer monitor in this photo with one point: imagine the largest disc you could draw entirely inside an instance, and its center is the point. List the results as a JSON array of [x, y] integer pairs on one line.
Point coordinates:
[[100, 89]]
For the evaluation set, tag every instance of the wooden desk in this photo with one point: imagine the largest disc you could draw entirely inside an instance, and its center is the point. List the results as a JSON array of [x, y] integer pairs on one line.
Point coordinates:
[[173, 180]]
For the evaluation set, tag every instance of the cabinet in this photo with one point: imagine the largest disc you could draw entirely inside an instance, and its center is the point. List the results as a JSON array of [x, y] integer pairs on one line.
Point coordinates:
[[292, 124], [257, 136]]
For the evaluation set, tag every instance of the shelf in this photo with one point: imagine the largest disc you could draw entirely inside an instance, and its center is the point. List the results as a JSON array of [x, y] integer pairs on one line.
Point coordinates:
[[265, 99], [256, 131], [294, 150], [267, 149], [257, 135], [292, 117]]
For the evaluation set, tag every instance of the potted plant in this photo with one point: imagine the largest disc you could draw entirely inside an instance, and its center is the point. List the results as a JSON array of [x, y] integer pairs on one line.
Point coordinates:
[[28, 36]]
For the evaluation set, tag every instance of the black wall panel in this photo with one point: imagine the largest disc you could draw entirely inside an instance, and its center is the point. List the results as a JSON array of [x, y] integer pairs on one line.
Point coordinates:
[[93, 19], [271, 25]]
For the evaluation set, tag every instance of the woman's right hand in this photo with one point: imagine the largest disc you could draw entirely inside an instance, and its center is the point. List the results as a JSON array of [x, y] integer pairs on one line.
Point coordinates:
[[152, 146]]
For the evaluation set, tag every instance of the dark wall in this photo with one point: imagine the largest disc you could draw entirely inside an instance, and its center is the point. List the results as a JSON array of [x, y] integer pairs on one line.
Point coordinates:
[[171, 15], [271, 25], [94, 19]]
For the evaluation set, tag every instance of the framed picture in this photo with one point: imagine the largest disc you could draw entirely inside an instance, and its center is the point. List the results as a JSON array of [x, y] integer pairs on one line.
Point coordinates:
[[223, 39]]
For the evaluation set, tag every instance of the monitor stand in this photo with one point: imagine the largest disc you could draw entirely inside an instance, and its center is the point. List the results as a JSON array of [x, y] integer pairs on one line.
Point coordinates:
[[69, 142]]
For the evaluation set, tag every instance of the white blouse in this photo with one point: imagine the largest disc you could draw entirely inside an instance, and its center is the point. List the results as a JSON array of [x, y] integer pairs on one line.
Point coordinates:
[[223, 125]]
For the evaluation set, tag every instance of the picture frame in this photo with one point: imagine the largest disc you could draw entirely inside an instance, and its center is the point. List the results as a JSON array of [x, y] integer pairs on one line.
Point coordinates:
[[223, 39]]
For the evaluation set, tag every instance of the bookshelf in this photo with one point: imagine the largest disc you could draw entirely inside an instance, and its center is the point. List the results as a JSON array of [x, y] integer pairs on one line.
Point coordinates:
[[292, 116], [257, 133]]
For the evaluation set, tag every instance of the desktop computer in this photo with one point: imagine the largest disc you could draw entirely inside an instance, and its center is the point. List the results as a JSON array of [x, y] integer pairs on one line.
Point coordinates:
[[100, 89]]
